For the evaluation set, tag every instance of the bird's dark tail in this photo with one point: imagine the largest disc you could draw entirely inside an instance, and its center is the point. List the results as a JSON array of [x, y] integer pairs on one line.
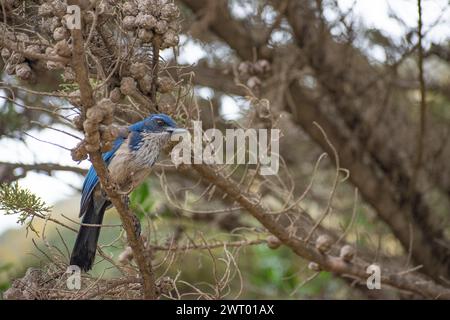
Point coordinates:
[[83, 253]]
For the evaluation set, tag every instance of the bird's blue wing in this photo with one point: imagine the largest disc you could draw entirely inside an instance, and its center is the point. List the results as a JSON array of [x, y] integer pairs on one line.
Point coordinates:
[[91, 179]]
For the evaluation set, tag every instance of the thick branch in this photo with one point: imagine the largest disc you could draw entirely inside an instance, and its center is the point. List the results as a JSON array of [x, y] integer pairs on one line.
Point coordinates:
[[377, 168], [142, 258], [237, 35], [327, 262]]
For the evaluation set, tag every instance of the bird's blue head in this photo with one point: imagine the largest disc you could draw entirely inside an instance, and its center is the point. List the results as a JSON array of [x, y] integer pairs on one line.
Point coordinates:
[[157, 127], [156, 123]]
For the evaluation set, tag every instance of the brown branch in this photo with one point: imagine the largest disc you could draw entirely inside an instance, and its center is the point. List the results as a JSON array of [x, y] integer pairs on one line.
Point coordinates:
[[210, 76], [377, 169], [423, 103], [326, 262], [42, 167], [142, 258], [375, 189], [237, 35], [208, 246]]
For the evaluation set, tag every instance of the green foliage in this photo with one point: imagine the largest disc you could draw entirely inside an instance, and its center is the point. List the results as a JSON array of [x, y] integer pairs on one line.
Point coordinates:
[[273, 270], [4, 268], [281, 274], [68, 87], [141, 200], [20, 201]]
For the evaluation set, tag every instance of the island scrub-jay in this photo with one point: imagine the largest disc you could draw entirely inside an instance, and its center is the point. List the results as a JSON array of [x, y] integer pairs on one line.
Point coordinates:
[[129, 163]]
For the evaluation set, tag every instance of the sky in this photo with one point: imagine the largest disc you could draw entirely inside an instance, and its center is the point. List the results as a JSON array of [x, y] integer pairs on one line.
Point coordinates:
[[52, 189]]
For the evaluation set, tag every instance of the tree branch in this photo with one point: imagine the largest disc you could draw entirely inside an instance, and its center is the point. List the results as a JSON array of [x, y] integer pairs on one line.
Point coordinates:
[[237, 35], [326, 262], [142, 258], [42, 167]]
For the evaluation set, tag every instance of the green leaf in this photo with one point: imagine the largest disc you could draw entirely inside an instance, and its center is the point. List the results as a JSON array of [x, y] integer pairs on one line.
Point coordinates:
[[141, 200]]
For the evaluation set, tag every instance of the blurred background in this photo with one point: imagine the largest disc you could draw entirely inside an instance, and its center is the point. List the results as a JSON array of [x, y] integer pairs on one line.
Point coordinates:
[[36, 154]]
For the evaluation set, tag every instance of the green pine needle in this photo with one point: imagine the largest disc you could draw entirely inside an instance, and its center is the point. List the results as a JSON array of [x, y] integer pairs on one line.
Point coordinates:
[[15, 200]]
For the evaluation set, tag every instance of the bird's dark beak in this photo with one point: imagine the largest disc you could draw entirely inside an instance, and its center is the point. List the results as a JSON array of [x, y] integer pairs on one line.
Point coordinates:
[[173, 130]]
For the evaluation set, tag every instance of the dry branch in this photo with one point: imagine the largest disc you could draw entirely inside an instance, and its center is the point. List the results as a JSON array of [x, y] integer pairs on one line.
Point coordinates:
[[141, 257], [326, 262]]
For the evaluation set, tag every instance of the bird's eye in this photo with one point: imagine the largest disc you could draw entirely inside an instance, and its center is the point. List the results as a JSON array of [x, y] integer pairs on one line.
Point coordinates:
[[160, 122]]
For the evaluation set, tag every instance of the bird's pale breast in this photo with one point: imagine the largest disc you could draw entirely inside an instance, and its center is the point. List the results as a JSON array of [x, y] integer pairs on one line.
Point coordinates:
[[129, 168]]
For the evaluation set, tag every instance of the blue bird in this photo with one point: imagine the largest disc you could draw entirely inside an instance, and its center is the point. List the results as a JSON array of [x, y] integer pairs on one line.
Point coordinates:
[[129, 163]]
